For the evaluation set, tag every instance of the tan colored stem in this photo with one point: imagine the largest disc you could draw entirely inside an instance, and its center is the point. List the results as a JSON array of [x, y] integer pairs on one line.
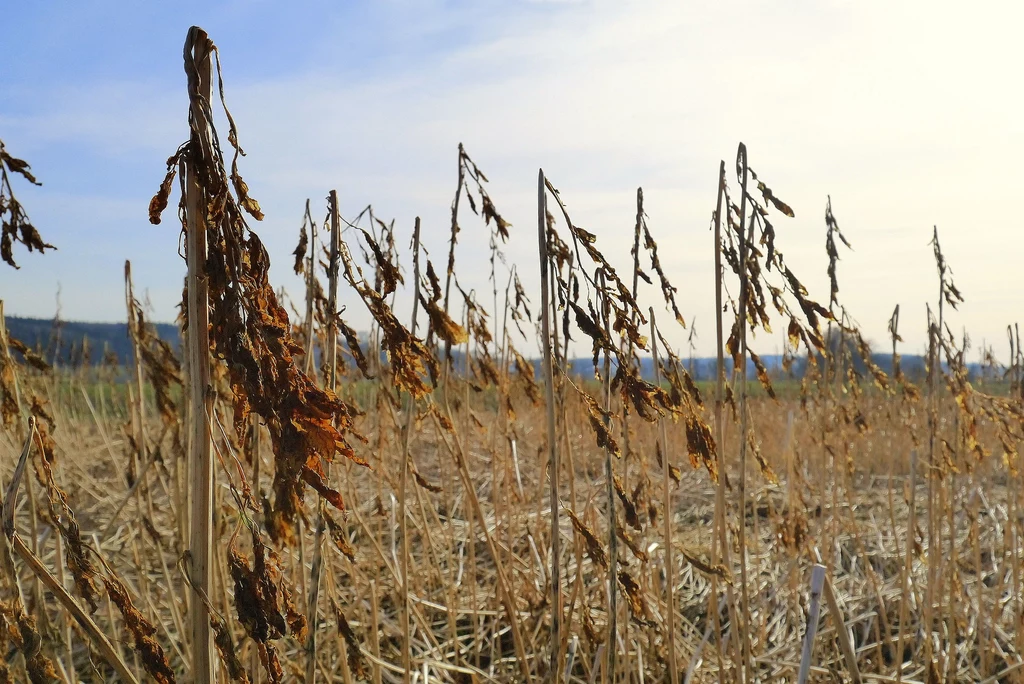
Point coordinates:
[[104, 646], [198, 48]]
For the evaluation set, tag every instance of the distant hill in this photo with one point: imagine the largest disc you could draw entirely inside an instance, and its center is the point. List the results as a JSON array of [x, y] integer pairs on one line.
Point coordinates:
[[64, 342]]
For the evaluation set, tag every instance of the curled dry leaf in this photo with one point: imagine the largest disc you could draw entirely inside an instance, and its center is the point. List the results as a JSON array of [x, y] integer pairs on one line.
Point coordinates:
[[151, 654], [356, 661], [595, 550], [634, 547], [639, 611], [632, 519]]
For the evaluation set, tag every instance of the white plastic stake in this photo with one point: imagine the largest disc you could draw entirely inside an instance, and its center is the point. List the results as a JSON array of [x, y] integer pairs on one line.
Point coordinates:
[[817, 583]]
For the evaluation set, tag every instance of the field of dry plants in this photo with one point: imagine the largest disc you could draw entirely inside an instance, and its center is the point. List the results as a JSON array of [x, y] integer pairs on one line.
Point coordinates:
[[287, 499]]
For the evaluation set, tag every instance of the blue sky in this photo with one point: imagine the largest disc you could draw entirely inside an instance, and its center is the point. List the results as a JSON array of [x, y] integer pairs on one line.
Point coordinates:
[[900, 111]]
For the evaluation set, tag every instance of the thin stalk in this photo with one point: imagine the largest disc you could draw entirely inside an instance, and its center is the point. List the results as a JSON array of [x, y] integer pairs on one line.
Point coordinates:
[[403, 490], [310, 293], [933, 363], [670, 566], [103, 645], [720, 538], [549, 398], [609, 473], [198, 68], [138, 413], [451, 248], [316, 569], [135, 335], [69, 644], [745, 242], [907, 566], [374, 633]]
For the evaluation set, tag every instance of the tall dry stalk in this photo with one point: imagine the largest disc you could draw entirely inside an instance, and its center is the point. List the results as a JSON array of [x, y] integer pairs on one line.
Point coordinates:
[[947, 293], [609, 474], [310, 291], [333, 269], [745, 241], [410, 418], [720, 537], [549, 397], [199, 68], [673, 668]]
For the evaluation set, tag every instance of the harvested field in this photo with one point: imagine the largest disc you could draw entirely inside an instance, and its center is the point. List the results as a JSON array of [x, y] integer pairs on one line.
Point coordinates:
[[284, 498]]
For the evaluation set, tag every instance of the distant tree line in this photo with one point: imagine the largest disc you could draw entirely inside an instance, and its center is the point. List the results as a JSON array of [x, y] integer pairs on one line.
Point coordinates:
[[73, 343]]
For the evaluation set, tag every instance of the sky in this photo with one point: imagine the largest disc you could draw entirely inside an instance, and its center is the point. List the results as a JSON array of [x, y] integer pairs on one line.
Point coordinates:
[[905, 113]]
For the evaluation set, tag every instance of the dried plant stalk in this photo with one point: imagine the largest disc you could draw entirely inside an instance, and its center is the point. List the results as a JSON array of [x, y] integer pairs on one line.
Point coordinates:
[[745, 241], [720, 539], [199, 67], [549, 397], [610, 487], [334, 266], [403, 491], [97, 636], [673, 668]]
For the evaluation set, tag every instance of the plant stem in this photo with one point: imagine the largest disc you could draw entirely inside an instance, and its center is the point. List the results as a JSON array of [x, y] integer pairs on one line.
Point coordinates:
[[549, 398], [198, 67], [307, 362], [609, 472], [316, 569], [720, 539], [403, 523], [673, 668], [745, 241]]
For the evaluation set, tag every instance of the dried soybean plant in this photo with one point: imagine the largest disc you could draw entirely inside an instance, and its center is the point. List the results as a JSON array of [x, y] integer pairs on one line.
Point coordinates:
[[156, 358], [250, 332], [408, 355], [10, 393], [88, 568], [747, 246], [469, 171], [962, 449], [15, 225], [602, 306]]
